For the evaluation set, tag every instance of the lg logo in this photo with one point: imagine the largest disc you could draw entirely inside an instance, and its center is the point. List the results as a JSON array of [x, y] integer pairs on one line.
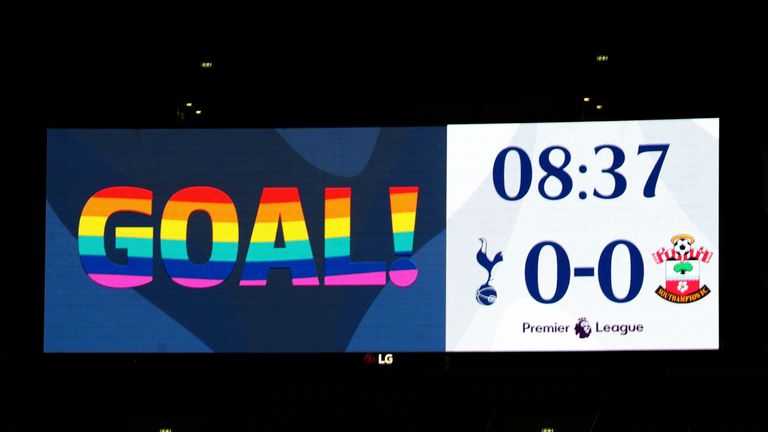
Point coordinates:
[[383, 359]]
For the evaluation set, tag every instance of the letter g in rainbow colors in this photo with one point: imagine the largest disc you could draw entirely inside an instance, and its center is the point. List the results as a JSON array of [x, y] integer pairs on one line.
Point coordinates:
[[136, 240]]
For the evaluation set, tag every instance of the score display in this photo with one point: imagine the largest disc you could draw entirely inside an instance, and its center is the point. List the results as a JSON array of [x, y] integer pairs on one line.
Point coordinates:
[[590, 236], [494, 237]]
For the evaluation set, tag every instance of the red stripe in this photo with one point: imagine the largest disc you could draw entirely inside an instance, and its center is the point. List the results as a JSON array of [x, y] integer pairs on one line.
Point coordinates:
[[334, 193], [130, 192], [280, 194], [201, 194], [657, 256], [403, 189]]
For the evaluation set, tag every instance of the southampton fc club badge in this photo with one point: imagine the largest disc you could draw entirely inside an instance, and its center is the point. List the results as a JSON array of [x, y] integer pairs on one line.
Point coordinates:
[[682, 266]]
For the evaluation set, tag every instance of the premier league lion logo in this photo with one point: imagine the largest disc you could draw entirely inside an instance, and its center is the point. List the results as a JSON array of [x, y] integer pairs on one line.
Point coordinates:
[[582, 328], [682, 270]]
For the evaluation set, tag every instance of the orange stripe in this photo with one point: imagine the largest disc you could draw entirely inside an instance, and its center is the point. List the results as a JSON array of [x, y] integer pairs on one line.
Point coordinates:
[[180, 210], [285, 211], [403, 202], [337, 208], [104, 207]]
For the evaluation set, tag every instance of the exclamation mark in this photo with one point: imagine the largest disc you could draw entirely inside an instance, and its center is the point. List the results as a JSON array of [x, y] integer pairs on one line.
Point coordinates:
[[402, 201]]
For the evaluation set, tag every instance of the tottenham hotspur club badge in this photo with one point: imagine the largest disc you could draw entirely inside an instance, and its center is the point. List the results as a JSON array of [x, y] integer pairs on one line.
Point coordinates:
[[682, 269], [486, 294]]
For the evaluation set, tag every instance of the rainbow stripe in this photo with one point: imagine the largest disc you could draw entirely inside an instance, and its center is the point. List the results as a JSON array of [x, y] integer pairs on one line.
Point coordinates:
[[403, 202], [136, 240], [280, 206], [173, 236], [339, 269]]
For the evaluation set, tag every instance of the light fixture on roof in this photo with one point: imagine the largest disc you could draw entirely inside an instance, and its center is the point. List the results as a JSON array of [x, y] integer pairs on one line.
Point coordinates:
[[586, 99], [188, 104], [198, 112], [206, 65], [601, 58], [599, 107]]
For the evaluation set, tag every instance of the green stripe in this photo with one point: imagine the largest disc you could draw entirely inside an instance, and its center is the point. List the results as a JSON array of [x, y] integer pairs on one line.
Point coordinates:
[[90, 245], [137, 247], [177, 249], [94, 246], [336, 247], [403, 242], [266, 251]]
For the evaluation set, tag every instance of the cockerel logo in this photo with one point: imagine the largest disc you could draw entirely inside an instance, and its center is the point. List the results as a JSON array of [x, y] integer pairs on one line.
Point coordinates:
[[486, 295]]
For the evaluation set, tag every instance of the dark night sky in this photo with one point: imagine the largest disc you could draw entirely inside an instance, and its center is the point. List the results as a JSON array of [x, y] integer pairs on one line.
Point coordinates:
[[81, 81]]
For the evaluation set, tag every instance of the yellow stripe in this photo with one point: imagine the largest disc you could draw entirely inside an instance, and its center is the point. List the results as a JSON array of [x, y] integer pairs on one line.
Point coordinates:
[[134, 232], [172, 229], [95, 225], [264, 232], [403, 222], [92, 226], [226, 232], [337, 227], [267, 231]]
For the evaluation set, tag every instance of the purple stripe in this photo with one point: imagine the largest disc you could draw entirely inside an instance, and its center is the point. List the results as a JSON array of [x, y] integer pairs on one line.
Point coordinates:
[[120, 281], [197, 283], [403, 278], [373, 278], [253, 283], [308, 281]]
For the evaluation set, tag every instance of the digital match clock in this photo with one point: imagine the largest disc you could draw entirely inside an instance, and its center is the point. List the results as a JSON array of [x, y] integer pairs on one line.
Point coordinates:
[[613, 223]]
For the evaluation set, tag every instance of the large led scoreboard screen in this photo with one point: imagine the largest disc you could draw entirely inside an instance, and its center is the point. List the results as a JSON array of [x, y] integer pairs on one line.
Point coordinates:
[[581, 236]]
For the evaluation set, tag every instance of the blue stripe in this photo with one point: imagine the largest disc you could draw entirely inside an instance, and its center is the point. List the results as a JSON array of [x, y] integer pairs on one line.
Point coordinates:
[[102, 265], [343, 266], [267, 252], [260, 270], [188, 269]]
